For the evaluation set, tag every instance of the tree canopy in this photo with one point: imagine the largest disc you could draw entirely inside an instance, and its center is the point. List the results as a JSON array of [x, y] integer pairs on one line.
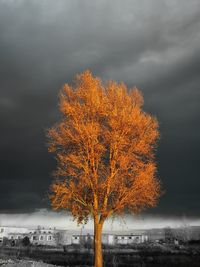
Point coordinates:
[[104, 145]]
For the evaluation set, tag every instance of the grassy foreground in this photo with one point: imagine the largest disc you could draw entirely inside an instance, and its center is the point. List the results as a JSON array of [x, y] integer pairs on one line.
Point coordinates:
[[143, 256]]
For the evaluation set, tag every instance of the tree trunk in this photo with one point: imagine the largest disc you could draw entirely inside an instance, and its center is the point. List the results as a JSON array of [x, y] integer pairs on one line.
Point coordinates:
[[98, 259]]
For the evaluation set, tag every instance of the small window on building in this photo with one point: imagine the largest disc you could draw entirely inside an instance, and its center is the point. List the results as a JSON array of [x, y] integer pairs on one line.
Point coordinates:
[[12, 237], [2, 230], [41, 237], [122, 237], [130, 237], [49, 238], [34, 237], [49, 232], [44, 232]]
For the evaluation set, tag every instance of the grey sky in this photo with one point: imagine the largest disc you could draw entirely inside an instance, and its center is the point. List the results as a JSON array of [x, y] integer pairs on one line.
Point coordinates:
[[62, 219], [154, 45]]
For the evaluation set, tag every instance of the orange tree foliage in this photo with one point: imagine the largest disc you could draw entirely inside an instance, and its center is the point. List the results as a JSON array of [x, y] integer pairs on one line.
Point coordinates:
[[104, 146]]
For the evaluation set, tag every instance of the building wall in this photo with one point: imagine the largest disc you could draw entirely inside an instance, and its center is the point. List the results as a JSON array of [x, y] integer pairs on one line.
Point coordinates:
[[54, 237], [6, 230], [130, 239], [37, 236], [110, 239], [43, 239], [63, 238], [17, 236], [76, 239], [43, 236]]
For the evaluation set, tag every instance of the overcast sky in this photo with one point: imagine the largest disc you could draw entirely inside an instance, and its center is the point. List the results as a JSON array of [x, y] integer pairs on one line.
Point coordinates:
[[154, 45]]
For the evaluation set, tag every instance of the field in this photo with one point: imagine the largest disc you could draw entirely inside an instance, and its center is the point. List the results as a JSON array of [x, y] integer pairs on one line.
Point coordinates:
[[151, 255]]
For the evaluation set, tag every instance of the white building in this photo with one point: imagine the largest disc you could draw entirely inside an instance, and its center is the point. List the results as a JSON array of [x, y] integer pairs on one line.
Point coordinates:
[[5, 232], [57, 237], [126, 239], [76, 239], [39, 236], [44, 236], [108, 239], [63, 237]]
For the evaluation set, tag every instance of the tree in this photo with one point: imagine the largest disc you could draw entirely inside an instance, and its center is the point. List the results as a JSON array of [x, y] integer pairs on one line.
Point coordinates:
[[104, 146], [183, 232], [26, 241]]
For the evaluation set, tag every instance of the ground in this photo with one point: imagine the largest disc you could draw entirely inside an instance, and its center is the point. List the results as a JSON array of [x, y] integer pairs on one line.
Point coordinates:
[[145, 255], [23, 263]]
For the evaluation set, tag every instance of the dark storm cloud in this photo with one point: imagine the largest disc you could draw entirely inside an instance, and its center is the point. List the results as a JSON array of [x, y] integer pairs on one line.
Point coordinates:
[[151, 44]]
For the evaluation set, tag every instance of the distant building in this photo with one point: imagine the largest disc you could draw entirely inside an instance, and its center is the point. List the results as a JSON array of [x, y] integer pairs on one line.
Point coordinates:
[[63, 237], [123, 238], [43, 237], [135, 236], [14, 238], [5, 232], [107, 239], [126, 239], [39, 236], [58, 237]]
